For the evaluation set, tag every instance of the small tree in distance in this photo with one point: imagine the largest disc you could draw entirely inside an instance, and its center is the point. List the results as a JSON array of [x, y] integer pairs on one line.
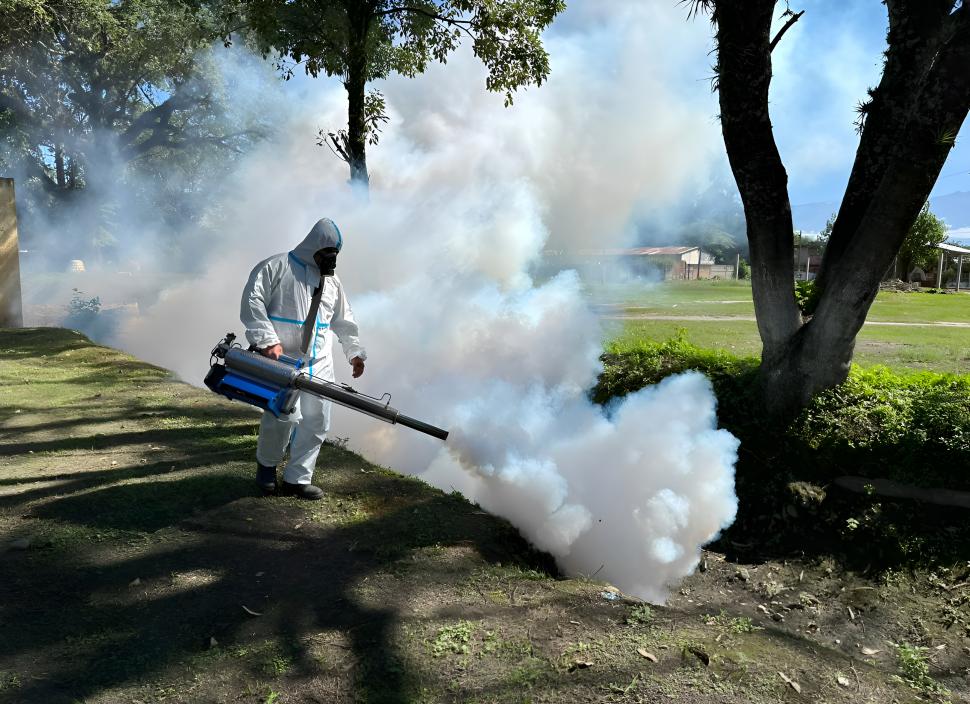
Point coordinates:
[[919, 247]]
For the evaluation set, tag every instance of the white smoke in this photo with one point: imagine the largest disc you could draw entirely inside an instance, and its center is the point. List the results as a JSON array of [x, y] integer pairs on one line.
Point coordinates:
[[465, 195]]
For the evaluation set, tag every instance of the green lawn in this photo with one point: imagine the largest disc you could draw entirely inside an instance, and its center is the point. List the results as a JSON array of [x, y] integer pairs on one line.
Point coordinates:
[[733, 298], [902, 347]]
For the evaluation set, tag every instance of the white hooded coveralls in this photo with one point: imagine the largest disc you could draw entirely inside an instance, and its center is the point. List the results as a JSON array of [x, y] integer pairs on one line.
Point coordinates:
[[275, 303]]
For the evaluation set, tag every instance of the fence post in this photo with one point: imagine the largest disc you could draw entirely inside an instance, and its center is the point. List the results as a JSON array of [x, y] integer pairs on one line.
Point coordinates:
[[11, 302]]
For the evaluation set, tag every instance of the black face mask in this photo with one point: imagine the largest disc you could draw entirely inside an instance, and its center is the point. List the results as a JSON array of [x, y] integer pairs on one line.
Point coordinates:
[[326, 260]]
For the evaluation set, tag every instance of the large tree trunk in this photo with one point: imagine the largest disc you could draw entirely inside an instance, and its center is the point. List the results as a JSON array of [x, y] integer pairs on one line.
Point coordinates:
[[910, 128], [355, 84]]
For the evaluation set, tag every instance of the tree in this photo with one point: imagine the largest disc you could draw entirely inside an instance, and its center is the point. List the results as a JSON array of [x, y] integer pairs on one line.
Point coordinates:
[[907, 128], [364, 40], [823, 236], [90, 89], [74, 72], [919, 247]]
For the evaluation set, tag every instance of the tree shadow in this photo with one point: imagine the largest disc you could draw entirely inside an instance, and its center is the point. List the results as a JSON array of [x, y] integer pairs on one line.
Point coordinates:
[[99, 635]]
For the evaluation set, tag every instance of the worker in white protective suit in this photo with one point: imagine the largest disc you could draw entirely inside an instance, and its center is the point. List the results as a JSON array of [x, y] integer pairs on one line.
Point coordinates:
[[276, 305]]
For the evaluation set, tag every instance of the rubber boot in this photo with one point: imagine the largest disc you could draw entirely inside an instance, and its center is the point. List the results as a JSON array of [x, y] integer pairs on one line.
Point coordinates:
[[303, 491], [266, 478]]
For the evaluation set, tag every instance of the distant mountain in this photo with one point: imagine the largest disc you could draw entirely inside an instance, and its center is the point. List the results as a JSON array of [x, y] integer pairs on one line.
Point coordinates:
[[954, 208]]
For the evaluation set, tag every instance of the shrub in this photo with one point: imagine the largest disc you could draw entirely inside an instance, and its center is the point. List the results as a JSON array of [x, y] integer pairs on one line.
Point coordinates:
[[912, 427]]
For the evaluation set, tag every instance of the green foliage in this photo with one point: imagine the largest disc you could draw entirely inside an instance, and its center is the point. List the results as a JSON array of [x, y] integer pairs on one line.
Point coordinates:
[[452, 639], [826, 233], [732, 624], [806, 296], [914, 670], [112, 96], [76, 68], [322, 36], [918, 249], [913, 428], [629, 366], [744, 269], [366, 40], [640, 614]]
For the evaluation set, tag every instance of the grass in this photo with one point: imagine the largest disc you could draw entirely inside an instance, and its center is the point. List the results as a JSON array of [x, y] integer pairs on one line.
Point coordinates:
[[734, 298], [945, 349], [154, 572]]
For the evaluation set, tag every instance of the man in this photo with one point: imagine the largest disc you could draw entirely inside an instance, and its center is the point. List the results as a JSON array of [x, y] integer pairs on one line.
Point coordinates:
[[276, 310]]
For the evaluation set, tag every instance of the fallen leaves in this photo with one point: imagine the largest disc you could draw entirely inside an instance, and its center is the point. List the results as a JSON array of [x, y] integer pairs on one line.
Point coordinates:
[[644, 654]]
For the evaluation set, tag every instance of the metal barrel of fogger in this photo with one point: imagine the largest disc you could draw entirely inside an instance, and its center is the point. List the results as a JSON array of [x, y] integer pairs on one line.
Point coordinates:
[[282, 374]]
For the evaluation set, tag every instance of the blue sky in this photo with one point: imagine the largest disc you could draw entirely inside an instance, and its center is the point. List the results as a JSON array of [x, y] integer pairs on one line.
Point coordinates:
[[823, 67]]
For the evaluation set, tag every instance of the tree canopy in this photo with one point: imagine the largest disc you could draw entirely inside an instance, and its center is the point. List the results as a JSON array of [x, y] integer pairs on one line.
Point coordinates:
[[919, 247], [365, 40], [92, 88]]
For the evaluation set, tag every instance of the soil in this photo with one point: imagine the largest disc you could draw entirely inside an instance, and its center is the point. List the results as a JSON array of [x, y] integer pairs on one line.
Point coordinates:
[[139, 564]]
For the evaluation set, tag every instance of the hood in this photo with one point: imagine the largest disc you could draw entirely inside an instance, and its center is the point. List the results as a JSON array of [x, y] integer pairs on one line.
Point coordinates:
[[324, 234]]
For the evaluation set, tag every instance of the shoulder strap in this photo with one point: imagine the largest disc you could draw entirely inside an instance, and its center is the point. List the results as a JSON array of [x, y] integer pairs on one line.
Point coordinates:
[[310, 324]]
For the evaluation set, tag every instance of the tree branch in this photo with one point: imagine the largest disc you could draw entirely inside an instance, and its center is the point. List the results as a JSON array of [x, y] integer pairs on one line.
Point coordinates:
[[941, 106], [14, 104], [463, 25], [917, 30], [781, 32], [744, 65]]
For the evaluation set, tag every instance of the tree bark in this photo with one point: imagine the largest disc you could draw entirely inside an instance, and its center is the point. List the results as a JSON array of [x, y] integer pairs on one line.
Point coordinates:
[[744, 76], [360, 17], [59, 171], [909, 129]]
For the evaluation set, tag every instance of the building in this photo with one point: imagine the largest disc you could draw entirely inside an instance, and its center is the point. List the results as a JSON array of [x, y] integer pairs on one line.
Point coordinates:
[[666, 263]]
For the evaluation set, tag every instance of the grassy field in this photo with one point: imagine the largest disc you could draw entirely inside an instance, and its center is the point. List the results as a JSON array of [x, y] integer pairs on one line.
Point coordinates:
[[140, 565], [720, 315]]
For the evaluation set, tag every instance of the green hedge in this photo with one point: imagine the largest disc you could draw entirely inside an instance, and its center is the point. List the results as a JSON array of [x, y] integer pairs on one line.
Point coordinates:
[[912, 427]]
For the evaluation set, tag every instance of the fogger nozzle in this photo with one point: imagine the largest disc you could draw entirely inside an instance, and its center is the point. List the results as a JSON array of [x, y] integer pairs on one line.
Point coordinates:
[[272, 385]]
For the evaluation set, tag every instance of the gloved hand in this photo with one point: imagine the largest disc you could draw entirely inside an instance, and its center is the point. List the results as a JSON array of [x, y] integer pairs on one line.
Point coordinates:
[[273, 351]]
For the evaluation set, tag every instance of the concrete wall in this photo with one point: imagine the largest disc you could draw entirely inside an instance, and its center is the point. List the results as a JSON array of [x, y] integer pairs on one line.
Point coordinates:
[[722, 271], [11, 305]]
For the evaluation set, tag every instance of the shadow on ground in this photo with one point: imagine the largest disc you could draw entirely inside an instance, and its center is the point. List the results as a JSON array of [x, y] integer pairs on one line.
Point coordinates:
[[141, 566]]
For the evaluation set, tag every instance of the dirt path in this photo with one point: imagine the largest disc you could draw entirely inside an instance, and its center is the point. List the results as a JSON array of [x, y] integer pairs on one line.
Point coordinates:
[[139, 565], [751, 319]]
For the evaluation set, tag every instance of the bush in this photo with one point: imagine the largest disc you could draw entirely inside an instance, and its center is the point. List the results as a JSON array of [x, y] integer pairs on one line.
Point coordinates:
[[913, 428], [744, 269]]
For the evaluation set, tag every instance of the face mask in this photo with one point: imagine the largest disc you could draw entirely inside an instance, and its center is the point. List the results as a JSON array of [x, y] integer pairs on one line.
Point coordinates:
[[326, 261]]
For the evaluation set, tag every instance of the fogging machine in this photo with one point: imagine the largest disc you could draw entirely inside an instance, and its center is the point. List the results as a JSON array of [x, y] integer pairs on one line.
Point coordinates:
[[273, 385]]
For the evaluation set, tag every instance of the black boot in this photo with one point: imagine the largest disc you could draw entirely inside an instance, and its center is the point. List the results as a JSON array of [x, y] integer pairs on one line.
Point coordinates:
[[303, 491], [266, 478]]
